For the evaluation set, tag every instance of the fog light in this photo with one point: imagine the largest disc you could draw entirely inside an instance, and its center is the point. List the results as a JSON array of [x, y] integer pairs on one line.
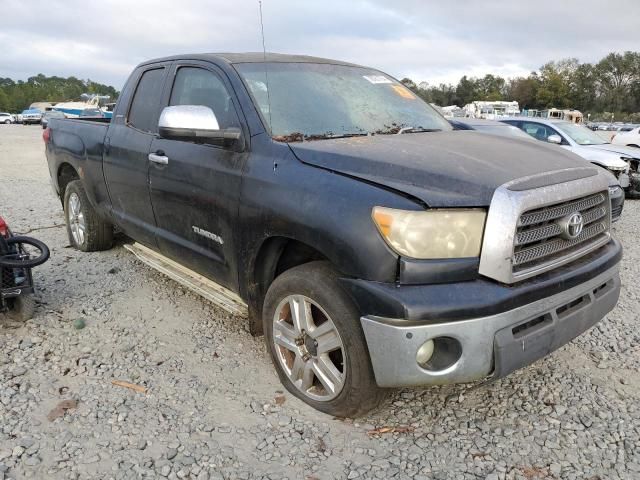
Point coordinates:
[[425, 352]]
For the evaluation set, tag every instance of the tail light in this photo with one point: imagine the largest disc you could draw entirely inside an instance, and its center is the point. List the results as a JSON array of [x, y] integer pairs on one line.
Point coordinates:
[[612, 137], [4, 229], [46, 135]]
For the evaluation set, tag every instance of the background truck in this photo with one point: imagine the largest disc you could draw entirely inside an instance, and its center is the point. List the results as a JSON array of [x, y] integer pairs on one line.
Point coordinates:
[[31, 116], [373, 246]]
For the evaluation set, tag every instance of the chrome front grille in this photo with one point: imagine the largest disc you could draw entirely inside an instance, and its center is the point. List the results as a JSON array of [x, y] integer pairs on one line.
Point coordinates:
[[556, 211], [540, 239]]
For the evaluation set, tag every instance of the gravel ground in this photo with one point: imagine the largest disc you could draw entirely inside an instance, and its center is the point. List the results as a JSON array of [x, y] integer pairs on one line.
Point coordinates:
[[214, 408]]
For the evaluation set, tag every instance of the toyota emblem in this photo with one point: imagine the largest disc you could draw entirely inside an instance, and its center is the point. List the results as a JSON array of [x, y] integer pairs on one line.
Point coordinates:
[[571, 225]]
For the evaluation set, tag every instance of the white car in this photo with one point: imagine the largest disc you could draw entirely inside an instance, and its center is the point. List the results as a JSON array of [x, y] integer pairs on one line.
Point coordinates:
[[7, 118], [620, 160], [630, 138]]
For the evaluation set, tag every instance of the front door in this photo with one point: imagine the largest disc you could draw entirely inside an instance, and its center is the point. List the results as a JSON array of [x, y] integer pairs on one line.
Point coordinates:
[[195, 194], [126, 163]]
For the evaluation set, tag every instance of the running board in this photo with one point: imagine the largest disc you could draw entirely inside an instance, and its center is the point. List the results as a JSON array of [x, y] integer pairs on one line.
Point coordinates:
[[209, 289]]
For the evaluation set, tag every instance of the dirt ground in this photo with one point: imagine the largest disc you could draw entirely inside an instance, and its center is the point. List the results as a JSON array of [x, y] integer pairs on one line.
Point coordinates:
[[213, 406]]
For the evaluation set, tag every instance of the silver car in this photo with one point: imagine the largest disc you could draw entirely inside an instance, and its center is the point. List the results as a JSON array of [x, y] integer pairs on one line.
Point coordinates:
[[620, 160]]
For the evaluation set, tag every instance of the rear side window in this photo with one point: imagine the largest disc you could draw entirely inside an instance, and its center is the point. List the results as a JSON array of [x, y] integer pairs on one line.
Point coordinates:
[[144, 107], [197, 86]]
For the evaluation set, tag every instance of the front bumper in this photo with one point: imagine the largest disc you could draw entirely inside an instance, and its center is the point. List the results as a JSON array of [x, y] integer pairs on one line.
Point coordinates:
[[490, 345]]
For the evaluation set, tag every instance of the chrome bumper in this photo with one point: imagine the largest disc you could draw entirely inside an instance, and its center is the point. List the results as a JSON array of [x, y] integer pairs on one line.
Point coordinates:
[[493, 345]]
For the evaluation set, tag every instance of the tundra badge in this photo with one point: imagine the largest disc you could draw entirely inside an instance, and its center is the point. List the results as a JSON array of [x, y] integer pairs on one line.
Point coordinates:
[[209, 235]]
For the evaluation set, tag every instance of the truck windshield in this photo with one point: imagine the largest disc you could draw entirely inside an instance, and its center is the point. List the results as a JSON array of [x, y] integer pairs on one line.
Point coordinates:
[[313, 101]]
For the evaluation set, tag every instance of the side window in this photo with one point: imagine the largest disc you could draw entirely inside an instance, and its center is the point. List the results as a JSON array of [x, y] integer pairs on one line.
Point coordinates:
[[537, 130], [197, 86], [144, 107]]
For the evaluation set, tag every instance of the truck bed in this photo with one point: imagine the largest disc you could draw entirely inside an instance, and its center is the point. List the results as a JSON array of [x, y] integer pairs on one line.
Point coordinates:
[[79, 143]]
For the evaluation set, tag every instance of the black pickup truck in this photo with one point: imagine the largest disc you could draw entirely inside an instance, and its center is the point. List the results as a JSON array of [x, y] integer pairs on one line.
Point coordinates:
[[373, 246]]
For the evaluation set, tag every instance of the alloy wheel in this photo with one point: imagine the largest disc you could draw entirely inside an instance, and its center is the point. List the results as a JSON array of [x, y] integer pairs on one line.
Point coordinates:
[[75, 216], [309, 348]]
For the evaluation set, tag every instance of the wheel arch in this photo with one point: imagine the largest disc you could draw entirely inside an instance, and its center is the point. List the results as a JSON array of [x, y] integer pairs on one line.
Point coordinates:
[[66, 174], [276, 255]]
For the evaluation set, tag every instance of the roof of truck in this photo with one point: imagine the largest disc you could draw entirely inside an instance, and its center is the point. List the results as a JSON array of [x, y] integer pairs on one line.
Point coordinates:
[[251, 57]]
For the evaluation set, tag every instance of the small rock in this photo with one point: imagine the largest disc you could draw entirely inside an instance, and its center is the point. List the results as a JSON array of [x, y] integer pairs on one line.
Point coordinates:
[[32, 461], [79, 323], [18, 451]]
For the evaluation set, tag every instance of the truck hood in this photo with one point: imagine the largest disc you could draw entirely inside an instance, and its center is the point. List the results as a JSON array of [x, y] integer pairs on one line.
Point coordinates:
[[442, 169], [602, 156], [622, 150]]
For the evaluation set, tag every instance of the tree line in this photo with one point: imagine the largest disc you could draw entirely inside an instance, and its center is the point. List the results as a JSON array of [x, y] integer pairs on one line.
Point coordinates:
[[16, 96], [610, 86]]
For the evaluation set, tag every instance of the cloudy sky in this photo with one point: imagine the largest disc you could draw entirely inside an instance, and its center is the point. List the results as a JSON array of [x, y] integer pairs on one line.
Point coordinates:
[[426, 40]]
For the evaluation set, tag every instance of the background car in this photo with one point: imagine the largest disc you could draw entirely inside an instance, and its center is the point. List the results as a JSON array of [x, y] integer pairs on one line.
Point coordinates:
[[630, 138], [7, 118], [31, 116], [621, 161], [491, 127], [48, 115]]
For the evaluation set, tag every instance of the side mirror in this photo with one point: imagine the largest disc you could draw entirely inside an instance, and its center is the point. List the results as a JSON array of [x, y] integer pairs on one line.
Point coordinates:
[[554, 139], [194, 123]]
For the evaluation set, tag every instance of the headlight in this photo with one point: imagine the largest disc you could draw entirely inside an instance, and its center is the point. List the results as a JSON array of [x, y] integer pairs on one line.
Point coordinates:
[[446, 233]]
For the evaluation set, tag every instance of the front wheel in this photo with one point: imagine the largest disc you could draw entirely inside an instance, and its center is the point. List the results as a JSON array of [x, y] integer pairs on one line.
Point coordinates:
[[313, 333], [87, 231]]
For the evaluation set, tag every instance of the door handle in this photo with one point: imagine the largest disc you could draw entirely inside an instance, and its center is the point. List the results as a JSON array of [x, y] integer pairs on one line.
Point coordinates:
[[160, 159]]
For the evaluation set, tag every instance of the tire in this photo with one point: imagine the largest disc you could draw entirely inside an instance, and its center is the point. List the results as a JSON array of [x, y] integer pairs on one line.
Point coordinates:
[[97, 234], [7, 122], [22, 308], [317, 286], [24, 263]]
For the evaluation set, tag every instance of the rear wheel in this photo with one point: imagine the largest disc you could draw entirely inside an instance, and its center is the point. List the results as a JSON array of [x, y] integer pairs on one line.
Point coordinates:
[[313, 333], [7, 122], [87, 231]]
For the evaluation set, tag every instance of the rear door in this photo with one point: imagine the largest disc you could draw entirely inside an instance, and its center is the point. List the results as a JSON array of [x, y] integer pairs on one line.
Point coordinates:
[[126, 150], [195, 194]]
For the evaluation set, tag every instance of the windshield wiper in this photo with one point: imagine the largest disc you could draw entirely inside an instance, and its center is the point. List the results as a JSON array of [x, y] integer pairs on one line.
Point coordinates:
[[417, 130], [299, 137], [337, 135]]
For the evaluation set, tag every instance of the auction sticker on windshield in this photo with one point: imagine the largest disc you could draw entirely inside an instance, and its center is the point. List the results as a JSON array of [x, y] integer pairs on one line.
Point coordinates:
[[377, 79], [403, 92]]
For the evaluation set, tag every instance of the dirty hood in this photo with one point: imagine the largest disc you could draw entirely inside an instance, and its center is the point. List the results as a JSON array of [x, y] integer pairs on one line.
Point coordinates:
[[442, 169]]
